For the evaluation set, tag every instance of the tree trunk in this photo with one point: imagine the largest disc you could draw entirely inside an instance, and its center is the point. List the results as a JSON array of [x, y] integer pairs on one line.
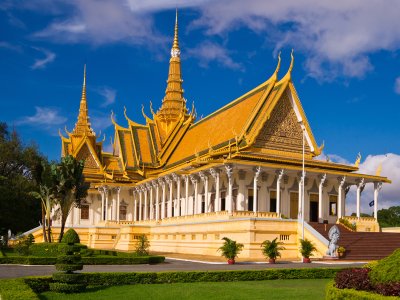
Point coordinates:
[[44, 224], [63, 220], [49, 238]]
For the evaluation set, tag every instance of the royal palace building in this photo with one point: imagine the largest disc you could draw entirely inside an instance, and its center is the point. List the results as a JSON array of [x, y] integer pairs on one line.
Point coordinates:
[[242, 172]]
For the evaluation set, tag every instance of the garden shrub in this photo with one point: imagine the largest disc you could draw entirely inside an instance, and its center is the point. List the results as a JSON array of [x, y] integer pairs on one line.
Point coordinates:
[[388, 289], [142, 246], [334, 293], [387, 269], [357, 279], [115, 260], [38, 284], [23, 244], [68, 261], [71, 237]]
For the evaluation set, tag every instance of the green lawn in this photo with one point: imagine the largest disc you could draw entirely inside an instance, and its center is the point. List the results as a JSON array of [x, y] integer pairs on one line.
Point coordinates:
[[272, 289]]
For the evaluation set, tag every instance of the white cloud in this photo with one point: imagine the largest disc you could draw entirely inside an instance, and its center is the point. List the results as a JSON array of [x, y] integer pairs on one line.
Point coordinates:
[[333, 158], [390, 193], [397, 85], [209, 51], [109, 95], [41, 63], [101, 22], [7, 45], [44, 116], [336, 36]]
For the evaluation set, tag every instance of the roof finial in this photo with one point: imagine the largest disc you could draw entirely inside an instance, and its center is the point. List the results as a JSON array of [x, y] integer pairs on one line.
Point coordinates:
[[175, 45], [278, 66], [84, 84], [292, 61]]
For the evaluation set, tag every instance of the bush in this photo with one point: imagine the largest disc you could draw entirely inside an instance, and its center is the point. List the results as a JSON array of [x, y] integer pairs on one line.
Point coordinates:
[[357, 279], [23, 244], [16, 289], [388, 289], [333, 293], [115, 260], [387, 270], [38, 284], [271, 249], [306, 248], [346, 223], [71, 237], [28, 260], [67, 288], [143, 245], [230, 249], [68, 278]]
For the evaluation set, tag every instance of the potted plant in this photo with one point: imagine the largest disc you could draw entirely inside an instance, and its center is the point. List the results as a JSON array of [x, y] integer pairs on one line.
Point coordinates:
[[271, 249], [341, 251], [306, 250], [230, 249]]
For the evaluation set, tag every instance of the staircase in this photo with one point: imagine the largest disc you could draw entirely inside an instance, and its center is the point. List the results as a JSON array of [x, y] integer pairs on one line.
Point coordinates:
[[362, 245]]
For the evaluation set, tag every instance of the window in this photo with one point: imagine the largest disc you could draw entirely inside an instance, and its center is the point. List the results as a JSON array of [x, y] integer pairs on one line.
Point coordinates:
[[223, 201], [332, 205], [250, 199], [272, 201], [85, 212], [122, 213]]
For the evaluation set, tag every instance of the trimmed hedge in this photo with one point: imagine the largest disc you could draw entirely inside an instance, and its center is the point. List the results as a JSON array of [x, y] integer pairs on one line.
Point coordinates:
[[333, 293], [16, 289], [91, 260], [200, 276], [49, 249], [387, 269], [40, 284]]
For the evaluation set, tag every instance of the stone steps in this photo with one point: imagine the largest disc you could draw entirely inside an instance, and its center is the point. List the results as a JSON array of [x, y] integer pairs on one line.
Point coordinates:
[[363, 245]]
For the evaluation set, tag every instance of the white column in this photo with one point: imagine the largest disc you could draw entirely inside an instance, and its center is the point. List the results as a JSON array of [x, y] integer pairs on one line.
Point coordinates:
[[278, 191], [157, 215], [169, 203], [360, 188], [135, 212], [377, 188], [113, 206], [162, 182], [320, 190], [118, 190], [229, 174], [340, 205], [177, 202], [204, 178], [215, 174], [151, 201], [106, 207], [101, 190], [193, 179], [140, 203], [186, 195], [257, 172], [146, 203]]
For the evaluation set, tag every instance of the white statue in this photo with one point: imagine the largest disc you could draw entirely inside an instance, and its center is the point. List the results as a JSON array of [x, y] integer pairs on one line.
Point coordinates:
[[333, 235]]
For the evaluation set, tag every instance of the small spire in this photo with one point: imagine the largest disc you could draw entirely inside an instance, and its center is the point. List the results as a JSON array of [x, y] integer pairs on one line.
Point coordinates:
[[83, 98], [175, 51], [288, 74], [82, 126]]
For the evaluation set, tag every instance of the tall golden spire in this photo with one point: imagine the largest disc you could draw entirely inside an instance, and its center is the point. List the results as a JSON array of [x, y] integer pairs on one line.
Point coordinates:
[[173, 105], [82, 126]]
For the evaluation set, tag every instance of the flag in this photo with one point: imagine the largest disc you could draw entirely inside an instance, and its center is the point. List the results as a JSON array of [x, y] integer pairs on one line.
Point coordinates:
[[371, 203]]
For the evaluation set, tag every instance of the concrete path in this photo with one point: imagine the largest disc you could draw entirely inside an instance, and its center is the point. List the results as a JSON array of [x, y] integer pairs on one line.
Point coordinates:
[[171, 264]]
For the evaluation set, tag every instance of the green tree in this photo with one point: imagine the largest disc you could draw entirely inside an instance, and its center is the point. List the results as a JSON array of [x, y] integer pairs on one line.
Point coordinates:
[[69, 187], [18, 177], [389, 217]]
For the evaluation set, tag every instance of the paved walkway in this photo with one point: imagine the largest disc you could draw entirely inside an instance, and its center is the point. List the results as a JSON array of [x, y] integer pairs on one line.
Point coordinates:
[[171, 264]]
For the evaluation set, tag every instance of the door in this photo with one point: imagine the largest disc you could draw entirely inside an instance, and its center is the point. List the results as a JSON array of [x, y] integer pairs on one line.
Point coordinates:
[[313, 211], [294, 205]]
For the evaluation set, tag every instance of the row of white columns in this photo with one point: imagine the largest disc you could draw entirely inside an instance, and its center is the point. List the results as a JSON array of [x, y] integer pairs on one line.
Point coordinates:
[[109, 212]]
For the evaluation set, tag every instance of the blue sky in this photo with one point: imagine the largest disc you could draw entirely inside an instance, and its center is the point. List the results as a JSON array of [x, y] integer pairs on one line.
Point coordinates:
[[347, 66]]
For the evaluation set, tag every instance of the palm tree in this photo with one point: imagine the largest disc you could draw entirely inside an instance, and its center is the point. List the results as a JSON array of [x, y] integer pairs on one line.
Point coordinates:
[[306, 249], [69, 186], [271, 249], [230, 249], [47, 198]]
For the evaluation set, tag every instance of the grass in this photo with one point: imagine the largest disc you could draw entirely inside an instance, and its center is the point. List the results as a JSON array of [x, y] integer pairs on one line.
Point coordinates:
[[272, 289]]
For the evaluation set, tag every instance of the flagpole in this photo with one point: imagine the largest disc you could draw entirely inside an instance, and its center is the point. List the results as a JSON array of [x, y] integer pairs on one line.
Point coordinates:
[[302, 186]]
